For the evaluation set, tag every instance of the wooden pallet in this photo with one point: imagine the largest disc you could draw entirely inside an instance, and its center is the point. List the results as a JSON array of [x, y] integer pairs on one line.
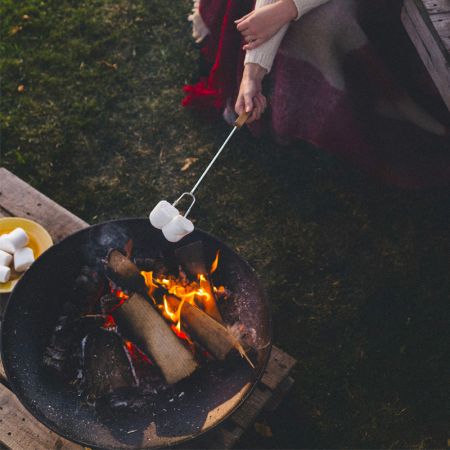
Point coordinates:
[[19, 430], [428, 25]]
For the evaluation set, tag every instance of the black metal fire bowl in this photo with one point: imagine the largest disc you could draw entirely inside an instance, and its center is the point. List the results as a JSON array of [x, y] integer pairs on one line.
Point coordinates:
[[180, 413]]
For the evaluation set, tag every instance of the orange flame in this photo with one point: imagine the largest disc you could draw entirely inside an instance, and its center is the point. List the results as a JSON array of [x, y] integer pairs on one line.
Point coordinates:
[[215, 263], [197, 293]]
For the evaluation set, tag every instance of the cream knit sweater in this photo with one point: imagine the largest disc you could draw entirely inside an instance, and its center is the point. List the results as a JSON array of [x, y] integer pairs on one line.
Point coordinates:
[[265, 53]]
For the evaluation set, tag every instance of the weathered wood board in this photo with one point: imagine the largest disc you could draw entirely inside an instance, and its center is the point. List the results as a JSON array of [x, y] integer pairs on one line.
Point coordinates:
[[19, 430], [427, 23]]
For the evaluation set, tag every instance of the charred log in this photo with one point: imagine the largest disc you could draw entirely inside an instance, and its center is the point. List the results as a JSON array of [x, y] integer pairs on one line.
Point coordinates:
[[124, 273], [60, 355], [144, 326], [107, 365]]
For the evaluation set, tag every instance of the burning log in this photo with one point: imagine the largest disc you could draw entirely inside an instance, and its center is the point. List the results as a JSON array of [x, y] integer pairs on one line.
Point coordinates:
[[212, 335], [144, 326], [192, 259], [124, 273], [207, 331]]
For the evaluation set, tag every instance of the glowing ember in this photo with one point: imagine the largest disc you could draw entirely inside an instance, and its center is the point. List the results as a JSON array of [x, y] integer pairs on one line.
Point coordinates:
[[136, 354], [109, 322], [120, 295]]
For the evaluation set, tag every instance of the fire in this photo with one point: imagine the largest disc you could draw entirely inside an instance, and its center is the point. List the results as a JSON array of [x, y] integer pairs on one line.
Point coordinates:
[[215, 263], [199, 293]]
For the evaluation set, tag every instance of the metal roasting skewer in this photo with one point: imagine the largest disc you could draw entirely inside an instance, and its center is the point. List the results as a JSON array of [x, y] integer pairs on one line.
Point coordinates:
[[240, 121]]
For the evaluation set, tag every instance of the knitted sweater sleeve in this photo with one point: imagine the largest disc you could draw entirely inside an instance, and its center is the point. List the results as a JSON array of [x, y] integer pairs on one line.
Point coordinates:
[[265, 53]]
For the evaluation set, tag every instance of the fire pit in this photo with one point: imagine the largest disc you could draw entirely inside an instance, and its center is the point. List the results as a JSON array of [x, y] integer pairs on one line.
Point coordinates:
[[172, 408]]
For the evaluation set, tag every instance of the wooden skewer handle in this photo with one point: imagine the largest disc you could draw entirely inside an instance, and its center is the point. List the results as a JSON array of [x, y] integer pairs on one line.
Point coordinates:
[[242, 119]]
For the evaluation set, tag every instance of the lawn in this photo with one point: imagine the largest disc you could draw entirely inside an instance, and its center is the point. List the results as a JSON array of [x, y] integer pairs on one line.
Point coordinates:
[[357, 273]]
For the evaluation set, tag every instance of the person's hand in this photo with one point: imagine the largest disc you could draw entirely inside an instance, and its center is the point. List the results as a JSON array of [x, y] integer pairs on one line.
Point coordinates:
[[250, 97], [261, 24]]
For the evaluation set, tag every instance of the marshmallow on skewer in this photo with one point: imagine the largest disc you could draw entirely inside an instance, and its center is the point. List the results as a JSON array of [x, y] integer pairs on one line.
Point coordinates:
[[19, 238], [5, 258], [177, 228], [5, 273], [162, 214], [6, 244], [23, 258]]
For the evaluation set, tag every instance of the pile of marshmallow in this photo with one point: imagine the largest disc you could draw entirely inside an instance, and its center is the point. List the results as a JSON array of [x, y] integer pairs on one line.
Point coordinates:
[[168, 219], [13, 247]]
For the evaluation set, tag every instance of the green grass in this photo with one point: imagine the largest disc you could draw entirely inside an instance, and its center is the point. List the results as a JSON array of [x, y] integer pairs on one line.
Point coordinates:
[[357, 274]]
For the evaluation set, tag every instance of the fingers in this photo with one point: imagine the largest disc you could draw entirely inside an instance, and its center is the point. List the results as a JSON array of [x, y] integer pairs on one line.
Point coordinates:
[[264, 101], [239, 107], [260, 104], [241, 26], [243, 17], [248, 101], [253, 44]]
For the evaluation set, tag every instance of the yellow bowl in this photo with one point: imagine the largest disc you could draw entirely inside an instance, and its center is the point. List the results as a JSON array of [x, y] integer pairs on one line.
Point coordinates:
[[40, 241]]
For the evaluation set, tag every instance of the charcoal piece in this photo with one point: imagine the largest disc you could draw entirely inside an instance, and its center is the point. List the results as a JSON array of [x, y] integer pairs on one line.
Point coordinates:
[[156, 265], [87, 289], [106, 365], [109, 302], [60, 354]]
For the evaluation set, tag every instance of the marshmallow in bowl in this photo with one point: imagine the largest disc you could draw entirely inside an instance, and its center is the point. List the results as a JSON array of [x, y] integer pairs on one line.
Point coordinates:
[[5, 274], [23, 258], [6, 244], [19, 238], [177, 228], [5, 258], [162, 214]]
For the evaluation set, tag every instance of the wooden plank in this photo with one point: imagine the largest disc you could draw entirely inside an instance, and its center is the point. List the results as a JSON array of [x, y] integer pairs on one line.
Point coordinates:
[[279, 394], [423, 40], [442, 24], [19, 430], [425, 28], [252, 407], [278, 368], [437, 6], [18, 198], [225, 436]]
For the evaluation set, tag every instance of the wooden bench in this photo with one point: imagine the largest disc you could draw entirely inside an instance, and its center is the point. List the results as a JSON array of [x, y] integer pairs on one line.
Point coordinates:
[[19, 430], [427, 23]]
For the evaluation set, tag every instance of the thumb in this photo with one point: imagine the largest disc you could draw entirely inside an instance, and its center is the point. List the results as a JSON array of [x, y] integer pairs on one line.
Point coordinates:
[[248, 100]]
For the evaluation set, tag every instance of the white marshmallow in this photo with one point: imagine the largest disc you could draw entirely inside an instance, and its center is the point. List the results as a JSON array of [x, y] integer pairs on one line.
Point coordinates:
[[23, 258], [18, 238], [5, 258], [6, 244], [5, 273], [177, 228], [162, 214]]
